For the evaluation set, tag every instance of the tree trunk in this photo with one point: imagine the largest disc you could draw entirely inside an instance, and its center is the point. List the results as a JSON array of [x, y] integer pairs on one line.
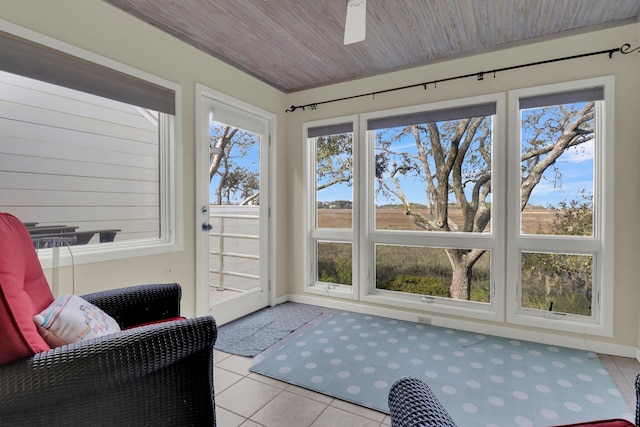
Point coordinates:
[[462, 272]]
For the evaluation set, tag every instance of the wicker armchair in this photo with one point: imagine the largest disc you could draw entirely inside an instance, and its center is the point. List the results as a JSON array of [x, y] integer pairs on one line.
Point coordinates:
[[638, 400], [150, 376], [159, 374], [413, 404]]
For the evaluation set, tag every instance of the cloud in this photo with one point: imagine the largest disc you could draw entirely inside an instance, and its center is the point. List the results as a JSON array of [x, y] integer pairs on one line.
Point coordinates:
[[581, 153], [546, 193]]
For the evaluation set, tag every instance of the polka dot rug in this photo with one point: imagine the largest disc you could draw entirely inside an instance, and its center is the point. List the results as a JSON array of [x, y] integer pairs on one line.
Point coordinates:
[[481, 380]]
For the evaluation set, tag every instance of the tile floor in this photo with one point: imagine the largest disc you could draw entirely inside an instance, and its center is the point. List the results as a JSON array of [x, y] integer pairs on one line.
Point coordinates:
[[251, 400]]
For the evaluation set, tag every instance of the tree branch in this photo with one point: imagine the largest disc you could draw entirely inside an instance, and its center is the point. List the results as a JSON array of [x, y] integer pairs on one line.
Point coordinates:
[[335, 181], [216, 155], [570, 137], [249, 199]]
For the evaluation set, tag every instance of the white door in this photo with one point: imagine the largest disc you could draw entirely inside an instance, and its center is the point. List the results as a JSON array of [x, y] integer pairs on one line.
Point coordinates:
[[232, 215]]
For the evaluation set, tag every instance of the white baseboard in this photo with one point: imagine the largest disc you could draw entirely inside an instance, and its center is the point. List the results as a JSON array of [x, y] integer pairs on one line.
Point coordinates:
[[282, 299], [549, 338]]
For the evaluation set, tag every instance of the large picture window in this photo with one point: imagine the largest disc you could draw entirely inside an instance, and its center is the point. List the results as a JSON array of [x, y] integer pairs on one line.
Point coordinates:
[[431, 215], [86, 151], [433, 185], [331, 222]]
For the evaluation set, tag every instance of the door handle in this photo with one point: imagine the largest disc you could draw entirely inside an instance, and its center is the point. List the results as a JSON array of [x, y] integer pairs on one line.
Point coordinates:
[[206, 226]]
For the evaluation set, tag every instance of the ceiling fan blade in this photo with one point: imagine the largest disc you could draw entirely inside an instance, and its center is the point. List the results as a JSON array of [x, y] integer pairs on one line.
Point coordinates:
[[355, 27]]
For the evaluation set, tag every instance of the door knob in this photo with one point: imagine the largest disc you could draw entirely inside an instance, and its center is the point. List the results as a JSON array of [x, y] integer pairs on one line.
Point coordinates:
[[206, 226]]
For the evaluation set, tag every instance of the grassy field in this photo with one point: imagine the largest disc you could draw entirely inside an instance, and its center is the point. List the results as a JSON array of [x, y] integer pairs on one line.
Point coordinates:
[[533, 220], [426, 270]]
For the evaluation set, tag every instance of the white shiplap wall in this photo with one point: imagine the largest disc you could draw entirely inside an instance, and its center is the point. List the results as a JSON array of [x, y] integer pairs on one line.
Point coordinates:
[[67, 157]]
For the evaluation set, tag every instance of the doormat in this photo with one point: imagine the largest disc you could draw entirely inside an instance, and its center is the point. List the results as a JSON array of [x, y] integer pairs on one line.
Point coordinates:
[[481, 380], [257, 331]]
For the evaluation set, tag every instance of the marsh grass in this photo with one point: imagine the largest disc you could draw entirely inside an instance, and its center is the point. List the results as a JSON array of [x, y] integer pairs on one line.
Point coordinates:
[[427, 271]]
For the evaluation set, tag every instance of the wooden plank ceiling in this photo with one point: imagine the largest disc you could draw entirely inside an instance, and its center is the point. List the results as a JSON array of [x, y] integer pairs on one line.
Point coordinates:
[[297, 44]]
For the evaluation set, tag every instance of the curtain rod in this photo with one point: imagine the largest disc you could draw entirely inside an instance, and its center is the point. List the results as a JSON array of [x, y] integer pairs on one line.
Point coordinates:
[[624, 49]]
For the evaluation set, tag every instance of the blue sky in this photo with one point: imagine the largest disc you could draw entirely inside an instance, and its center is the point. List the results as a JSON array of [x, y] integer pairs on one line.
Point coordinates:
[[250, 161], [575, 168]]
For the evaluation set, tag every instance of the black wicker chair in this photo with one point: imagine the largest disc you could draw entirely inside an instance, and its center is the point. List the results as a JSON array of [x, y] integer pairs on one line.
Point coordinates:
[[413, 404], [155, 375], [638, 400], [159, 374]]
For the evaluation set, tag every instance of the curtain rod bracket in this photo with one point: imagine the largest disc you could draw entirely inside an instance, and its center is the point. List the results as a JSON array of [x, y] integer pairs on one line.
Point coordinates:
[[626, 49]]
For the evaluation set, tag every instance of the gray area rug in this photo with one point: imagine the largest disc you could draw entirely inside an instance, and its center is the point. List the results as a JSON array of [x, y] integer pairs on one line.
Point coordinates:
[[257, 331]]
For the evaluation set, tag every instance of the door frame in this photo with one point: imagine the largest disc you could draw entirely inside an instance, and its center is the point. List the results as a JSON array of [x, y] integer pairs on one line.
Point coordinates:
[[204, 97]]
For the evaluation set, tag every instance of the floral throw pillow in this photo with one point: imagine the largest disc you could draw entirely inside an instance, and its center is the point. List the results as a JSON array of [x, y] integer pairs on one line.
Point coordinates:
[[70, 318]]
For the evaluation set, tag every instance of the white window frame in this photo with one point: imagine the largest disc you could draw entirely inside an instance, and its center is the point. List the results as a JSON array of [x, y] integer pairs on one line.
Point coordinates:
[[493, 241], [313, 235], [504, 241], [600, 245], [171, 211]]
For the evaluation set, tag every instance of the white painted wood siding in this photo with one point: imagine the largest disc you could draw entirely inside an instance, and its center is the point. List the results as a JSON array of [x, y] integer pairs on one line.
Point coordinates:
[[76, 159]]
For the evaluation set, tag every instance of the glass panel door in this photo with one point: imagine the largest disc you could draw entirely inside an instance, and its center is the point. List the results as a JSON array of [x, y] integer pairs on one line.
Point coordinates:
[[233, 213]]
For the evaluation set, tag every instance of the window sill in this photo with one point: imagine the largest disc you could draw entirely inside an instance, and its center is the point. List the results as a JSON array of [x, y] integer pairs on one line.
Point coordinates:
[[438, 305], [76, 255], [562, 322], [331, 290]]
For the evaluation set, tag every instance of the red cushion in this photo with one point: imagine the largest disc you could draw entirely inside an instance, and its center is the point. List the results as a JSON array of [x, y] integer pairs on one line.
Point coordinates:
[[603, 423], [24, 292]]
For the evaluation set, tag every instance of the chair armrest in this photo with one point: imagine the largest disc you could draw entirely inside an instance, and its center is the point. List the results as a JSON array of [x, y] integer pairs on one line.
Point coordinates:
[[91, 366], [412, 403], [141, 304]]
